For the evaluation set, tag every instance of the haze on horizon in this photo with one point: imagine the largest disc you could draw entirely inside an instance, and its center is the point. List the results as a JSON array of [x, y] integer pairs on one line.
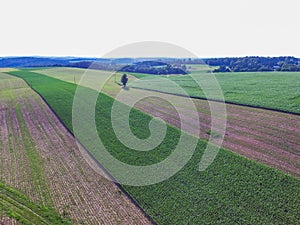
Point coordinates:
[[210, 28]]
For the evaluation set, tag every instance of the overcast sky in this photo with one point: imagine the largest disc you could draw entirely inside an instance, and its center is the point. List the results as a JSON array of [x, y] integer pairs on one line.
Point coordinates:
[[208, 28]]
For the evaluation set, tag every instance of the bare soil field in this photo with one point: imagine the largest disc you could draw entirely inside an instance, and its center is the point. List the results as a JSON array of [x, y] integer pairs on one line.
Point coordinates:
[[40, 158]]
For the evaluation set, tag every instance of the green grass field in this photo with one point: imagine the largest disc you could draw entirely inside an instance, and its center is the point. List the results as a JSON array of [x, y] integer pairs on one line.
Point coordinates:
[[274, 90], [233, 190]]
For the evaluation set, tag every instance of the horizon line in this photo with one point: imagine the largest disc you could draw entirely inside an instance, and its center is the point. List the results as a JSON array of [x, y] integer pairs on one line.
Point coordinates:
[[142, 57]]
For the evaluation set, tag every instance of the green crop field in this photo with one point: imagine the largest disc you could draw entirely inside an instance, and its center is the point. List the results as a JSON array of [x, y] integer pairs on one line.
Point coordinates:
[[274, 90], [233, 190]]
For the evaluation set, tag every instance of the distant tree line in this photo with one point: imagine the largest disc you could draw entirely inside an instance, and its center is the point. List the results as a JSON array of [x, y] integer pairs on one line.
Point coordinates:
[[155, 67], [181, 61], [150, 67], [253, 64], [96, 65]]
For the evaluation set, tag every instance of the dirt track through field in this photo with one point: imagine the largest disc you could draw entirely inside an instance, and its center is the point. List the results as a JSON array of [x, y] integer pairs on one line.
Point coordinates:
[[41, 158]]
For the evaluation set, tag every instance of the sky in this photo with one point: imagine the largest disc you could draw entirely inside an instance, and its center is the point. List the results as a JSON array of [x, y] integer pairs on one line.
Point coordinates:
[[93, 28]]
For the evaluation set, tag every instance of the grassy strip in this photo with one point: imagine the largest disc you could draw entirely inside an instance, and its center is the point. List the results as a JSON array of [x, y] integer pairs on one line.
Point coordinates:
[[35, 161], [233, 190], [273, 90], [18, 206]]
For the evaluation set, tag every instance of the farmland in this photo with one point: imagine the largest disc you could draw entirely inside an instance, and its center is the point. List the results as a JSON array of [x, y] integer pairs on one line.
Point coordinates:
[[41, 159], [16, 207], [265, 136], [74, 75], [273, 90], [225, 193], [268, 137]]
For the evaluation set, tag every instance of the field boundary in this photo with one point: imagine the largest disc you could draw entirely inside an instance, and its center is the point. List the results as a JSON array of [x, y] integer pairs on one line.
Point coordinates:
[[220, 101], [92, 157]]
